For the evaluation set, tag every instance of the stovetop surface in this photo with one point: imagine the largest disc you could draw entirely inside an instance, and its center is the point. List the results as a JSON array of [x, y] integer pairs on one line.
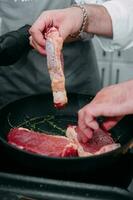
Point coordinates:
[[119, 175]]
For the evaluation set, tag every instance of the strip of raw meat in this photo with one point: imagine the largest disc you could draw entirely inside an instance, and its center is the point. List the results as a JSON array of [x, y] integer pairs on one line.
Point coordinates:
[[101, 142], [41, 143], [55, 62]]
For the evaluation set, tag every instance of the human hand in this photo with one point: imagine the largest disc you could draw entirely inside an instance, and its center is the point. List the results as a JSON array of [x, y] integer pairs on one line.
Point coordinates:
[[67, 21], [13, 45], [112, 102]]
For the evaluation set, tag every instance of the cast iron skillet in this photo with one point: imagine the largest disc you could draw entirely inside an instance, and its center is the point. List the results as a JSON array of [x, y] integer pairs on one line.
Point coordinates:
[[31, 111]]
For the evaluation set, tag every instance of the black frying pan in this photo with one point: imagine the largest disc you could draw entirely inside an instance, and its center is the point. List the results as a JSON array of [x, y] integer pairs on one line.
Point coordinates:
[[31, 111]]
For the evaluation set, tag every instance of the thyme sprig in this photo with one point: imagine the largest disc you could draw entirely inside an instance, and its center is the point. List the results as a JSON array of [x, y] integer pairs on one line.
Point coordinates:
[[33, 122]]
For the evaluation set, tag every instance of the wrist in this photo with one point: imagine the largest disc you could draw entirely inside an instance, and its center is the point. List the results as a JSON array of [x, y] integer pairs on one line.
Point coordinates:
[[83, 20]]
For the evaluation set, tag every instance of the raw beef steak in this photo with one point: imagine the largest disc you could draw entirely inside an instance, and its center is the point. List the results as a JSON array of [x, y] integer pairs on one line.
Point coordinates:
[[101, 142], [61, 146], [41, 143]]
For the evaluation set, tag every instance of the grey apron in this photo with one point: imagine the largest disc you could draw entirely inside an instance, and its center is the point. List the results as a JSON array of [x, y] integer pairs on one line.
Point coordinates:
[[30, 75]]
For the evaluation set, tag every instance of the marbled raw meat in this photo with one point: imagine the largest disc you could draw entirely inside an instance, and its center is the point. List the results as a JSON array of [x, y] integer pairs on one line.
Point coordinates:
[[101, 142], [61, 146], [55, 62], [41, 143]]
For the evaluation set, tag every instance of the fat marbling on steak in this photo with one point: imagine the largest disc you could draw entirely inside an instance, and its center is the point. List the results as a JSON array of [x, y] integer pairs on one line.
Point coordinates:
[[54, 43], [61, 146]]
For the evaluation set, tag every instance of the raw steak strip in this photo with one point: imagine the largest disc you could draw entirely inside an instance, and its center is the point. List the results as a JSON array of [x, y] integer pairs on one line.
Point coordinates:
[[41, 143], [54, 45], [101, 142]]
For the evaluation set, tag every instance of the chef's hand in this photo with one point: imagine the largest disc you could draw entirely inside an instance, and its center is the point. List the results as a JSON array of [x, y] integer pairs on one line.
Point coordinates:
[[13, 45], [112, 102], [67, 21]]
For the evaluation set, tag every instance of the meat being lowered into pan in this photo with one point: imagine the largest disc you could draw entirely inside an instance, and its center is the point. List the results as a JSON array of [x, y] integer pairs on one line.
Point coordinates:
[[55, 63], [61, 146]]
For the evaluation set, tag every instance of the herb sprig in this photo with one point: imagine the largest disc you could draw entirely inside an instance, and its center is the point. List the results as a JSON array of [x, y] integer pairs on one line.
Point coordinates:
[[34, 122]]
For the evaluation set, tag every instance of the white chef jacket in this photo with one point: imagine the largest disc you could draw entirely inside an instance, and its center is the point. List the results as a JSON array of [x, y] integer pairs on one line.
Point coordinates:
[[121, 12]]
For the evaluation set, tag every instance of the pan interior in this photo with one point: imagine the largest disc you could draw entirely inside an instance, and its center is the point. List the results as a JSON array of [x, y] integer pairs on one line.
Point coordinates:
[[38, 113]]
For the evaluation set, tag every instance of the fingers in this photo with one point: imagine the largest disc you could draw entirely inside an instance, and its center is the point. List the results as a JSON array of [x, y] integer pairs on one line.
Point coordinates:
[[87, 120], [84, 136], [37, 32], [92, 124], [63, 20], [81, 136], [37, 29], [87, 125], [111, 122], [35, 45], [37, 36]]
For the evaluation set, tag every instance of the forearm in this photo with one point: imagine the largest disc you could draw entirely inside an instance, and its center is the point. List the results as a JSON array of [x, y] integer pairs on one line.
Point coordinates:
[[120, 12], [99, 21]]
